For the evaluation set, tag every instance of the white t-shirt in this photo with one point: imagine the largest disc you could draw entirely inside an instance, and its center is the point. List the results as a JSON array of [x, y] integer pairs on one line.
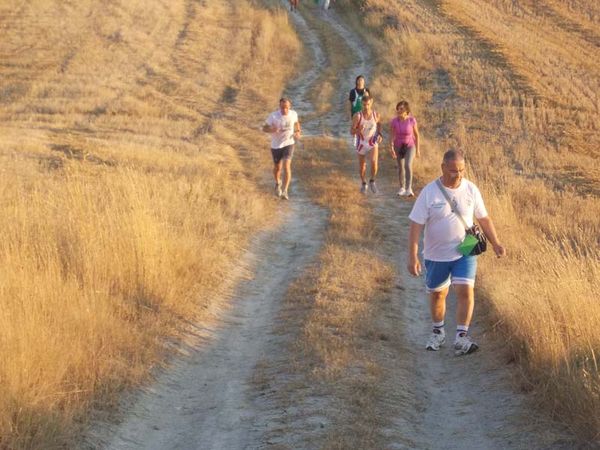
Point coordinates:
[[443, 229], [284, 135]]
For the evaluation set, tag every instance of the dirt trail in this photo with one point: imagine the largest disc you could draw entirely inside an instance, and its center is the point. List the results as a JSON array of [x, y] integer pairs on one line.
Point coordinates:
[[201, 401], [205, 401]]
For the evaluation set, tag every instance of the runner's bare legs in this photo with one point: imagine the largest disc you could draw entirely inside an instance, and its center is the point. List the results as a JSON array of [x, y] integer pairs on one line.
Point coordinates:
[[287, 166], [362, 167], [374, 162], [277, 171]]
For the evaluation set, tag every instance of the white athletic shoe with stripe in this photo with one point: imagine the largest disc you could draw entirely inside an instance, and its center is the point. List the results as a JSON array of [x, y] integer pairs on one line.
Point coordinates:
[[464, 345], [436, 340]]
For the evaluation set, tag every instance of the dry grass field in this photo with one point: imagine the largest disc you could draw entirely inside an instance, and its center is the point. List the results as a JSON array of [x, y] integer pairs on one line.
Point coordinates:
[[133, 174], [131, 180], [515, 84]]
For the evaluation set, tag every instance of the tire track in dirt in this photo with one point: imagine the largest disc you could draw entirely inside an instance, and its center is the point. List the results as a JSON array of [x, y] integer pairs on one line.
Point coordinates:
[[208, 400], [203, 401], [550, 11], [487, 50]]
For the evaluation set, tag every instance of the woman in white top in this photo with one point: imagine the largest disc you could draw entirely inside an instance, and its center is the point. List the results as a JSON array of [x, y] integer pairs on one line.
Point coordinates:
[[366, 127]]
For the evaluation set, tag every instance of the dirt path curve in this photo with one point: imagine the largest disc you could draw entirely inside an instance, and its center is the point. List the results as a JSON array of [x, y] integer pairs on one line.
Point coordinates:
[[204, 400], [201, 401]]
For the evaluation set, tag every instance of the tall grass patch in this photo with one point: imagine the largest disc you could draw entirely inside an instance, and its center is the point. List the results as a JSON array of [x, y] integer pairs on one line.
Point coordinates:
[[126, 197], [499, 80]]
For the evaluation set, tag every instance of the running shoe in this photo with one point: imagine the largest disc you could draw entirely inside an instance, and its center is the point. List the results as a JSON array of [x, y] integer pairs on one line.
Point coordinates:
[[464, 345], [284, 195], [436, 340], [363, 188], [409, 193], [278, 190], [373, 187], [401, 192]]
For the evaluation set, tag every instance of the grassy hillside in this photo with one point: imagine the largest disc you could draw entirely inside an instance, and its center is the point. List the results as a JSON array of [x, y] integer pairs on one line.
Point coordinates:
[[515, 84], [127, 132]]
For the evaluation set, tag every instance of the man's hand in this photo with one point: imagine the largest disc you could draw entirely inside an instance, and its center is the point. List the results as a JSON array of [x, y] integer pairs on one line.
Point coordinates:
[[414, 266], [392, 152], [499, 250]]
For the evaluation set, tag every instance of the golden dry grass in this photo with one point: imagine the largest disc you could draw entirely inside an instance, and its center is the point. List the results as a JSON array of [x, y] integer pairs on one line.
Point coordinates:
[[126, 189], [516, 85]]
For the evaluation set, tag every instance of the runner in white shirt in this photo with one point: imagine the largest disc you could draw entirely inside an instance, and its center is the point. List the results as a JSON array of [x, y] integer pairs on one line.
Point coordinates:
[[444, 231], [284, 126]]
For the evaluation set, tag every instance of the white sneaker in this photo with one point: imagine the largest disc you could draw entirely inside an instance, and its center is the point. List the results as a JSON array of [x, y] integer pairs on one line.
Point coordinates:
[[401, 192], [373, 187], [464, 345], [284, 195], [409, 193], [436, 340], [363, 188], [278, 190]]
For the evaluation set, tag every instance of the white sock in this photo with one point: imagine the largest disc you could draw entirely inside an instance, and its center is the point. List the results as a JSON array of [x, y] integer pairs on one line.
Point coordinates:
[[461, 330], [439, 326]]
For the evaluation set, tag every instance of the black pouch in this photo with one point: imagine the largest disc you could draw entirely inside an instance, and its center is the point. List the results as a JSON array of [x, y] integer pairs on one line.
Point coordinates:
[[481, 245]]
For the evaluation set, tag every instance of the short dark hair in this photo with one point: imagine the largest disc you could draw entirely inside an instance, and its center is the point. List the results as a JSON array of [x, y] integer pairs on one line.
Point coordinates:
[[453, 154], [285, 99], [403, 103], [358, 78]]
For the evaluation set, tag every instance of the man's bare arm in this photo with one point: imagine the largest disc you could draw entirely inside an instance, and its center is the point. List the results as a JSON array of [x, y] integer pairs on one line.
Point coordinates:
[[414, 233], [490, 231]]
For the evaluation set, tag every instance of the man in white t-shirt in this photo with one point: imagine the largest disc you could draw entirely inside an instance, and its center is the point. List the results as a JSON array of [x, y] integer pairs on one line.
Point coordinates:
[[284, 126], [444, 264]]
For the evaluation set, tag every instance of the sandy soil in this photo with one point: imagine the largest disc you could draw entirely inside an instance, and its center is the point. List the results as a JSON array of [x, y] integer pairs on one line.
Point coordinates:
[[207, 400]]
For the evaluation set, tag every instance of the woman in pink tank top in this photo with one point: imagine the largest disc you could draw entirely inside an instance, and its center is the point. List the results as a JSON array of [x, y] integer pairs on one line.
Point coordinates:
[[404, 146]]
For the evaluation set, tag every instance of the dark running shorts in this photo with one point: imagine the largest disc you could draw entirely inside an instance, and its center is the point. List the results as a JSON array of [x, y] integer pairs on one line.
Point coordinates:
[[401, 150], [284, 153]]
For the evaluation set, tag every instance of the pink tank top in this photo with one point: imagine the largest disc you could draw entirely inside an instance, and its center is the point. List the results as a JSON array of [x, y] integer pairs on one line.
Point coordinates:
[[403, 131]]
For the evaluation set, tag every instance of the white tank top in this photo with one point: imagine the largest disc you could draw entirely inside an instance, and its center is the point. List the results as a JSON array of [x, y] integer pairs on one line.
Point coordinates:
[[366, 129]]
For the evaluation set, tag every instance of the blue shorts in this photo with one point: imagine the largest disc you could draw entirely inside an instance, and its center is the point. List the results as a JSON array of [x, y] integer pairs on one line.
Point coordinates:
[[439, 274]]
